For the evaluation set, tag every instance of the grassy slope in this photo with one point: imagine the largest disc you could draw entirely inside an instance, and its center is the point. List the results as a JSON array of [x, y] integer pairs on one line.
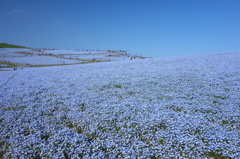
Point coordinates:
[[5, 45]]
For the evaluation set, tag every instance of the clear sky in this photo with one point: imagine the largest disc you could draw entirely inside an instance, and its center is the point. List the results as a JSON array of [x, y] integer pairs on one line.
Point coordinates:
[[156, 28]]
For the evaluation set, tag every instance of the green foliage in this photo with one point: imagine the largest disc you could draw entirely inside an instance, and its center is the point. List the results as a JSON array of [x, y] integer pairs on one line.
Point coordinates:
[[72, 125], [9, 64], [6, 45], [111, 86], [215, 155], [4, 149], [130, 92], [82, 107], [117, 86], [220, 97], [224, 122]]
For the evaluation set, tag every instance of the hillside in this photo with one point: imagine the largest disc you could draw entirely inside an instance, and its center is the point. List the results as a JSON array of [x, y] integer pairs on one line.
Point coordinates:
[[180, 107], [19, 58], [6, 45]]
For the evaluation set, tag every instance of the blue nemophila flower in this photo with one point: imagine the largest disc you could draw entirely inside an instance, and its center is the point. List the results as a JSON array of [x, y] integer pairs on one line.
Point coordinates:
[[181, 107]]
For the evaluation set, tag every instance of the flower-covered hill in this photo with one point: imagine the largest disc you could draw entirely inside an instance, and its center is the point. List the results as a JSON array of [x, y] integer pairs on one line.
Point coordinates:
[[181, 107], [18, 58]]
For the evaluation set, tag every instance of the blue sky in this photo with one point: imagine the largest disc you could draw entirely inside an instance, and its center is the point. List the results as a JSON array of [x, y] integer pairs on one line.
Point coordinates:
[[155, 28]]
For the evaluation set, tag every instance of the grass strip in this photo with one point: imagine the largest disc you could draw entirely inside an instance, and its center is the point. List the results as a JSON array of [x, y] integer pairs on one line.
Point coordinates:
[[61, 64]]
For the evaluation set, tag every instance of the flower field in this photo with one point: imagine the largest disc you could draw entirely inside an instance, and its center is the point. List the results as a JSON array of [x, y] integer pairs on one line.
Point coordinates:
[[15, 57], [180, 107]]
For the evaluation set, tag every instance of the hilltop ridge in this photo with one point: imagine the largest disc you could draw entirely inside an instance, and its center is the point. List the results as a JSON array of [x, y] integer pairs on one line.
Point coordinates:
[[6, 45]]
